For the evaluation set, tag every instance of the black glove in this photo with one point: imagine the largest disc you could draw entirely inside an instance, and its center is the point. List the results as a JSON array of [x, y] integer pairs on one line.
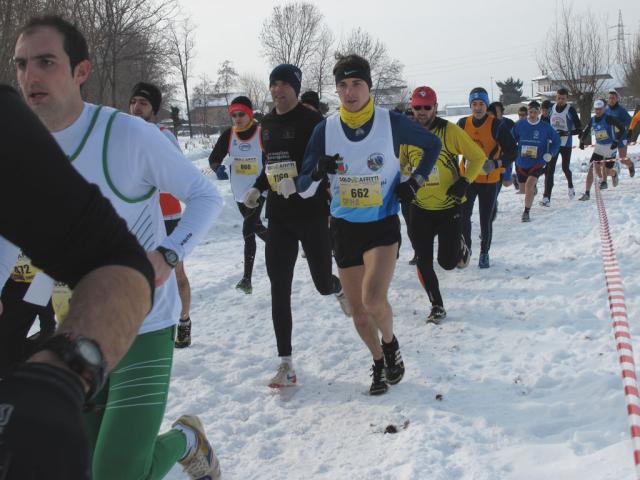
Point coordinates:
[[41, 434], [581, 146], [614, 145], [458, 189], [407, 191], [326, 164]]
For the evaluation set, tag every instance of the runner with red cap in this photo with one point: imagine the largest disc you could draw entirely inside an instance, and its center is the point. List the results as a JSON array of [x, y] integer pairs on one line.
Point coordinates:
[[437, 210]]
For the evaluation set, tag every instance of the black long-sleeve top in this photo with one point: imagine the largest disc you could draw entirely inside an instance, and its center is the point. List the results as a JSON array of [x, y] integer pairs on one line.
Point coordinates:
[[58, 219], [285, 138]]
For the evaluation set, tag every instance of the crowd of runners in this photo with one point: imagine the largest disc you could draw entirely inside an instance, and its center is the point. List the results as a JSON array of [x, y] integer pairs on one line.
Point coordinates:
[[333, 186]]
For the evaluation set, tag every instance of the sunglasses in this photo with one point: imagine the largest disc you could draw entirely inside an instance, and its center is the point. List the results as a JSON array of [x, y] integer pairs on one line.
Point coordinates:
[[238, 115], [423, 107]]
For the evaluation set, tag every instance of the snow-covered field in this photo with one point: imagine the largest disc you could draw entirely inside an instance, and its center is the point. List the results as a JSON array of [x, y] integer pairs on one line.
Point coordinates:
[[521, 381]]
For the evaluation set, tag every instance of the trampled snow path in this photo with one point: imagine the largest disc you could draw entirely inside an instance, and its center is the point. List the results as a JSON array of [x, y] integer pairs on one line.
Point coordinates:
[[525, 362]]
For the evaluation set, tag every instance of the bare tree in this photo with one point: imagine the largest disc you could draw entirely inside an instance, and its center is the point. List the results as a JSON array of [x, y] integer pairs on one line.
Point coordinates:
[[292, 34], [129, 31], [227, 78], [575, 55], [386, 72], [632, 69], [183, 52], [318, 74], [202, 94], [124, 38], [256, 89]]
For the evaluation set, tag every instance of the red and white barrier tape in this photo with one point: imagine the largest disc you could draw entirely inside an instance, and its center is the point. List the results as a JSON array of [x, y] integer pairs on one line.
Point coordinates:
[[593, 146], [621, 328]]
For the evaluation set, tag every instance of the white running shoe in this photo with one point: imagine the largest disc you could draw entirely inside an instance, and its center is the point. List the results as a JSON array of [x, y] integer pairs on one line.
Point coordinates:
[[201, 462], [344, 303], [571, 192], [546, 202], [286, 377]]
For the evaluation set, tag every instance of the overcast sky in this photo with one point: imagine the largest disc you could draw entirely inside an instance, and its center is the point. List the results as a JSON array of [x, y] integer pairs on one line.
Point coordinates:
[[451, 45]]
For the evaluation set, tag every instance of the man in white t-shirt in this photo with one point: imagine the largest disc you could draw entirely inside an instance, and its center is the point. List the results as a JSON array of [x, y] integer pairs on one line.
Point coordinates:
[[130, 161]]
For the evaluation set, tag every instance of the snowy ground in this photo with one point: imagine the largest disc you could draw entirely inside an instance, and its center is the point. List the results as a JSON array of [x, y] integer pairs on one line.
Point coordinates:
[[521, 380]]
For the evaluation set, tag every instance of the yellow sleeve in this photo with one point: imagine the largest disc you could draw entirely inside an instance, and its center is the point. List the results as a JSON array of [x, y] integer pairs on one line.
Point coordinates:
[[464, 145], [634, 121], [410, 157]]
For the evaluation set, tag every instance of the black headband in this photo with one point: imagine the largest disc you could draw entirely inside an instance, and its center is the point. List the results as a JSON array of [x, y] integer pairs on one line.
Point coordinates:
[[353, 71]]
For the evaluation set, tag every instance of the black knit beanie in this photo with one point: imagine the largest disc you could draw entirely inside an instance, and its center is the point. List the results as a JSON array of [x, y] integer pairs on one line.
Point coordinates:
[[150, 92]]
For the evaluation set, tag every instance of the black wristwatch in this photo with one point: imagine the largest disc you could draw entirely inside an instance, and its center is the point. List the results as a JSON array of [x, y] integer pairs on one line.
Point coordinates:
[[169, 256], [83, 356]]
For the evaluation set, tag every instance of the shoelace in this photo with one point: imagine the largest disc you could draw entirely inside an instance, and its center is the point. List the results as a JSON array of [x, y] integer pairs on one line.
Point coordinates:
[[184, 331], [377, 375], [199, 465]]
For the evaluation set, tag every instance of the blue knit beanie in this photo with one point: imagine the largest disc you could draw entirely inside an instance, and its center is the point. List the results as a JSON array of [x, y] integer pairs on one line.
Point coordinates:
[[479, 94], [288, 73]]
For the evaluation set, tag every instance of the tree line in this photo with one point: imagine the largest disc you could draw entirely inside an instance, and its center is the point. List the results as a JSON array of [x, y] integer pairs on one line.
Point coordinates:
[[131, 40]]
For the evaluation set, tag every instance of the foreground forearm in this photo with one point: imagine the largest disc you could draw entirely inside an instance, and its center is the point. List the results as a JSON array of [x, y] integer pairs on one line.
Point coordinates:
[[108, 306]]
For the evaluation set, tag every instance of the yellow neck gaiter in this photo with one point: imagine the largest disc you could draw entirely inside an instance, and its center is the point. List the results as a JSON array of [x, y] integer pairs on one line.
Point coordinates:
[[239, 130], [357, 119]]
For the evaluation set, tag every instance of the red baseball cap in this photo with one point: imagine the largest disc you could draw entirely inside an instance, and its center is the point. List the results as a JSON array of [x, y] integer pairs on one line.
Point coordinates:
[[423, 96]]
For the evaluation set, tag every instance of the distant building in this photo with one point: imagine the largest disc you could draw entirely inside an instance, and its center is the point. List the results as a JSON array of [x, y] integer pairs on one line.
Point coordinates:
[[545, 86], [213, 112]]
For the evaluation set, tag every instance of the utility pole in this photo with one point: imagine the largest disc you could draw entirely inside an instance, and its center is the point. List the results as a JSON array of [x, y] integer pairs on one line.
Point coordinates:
[[621, 43]]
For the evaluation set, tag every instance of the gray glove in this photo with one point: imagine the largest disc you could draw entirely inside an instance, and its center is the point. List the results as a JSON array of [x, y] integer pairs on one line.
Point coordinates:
[[251, 198], [286, 187], [489, 166]]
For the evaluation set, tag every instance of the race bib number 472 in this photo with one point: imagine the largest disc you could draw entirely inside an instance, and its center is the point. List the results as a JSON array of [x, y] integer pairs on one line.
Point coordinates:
[[360, 191], [279, 170]]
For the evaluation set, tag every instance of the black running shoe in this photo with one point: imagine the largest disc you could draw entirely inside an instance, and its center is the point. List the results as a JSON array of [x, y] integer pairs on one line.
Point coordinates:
[[393, 361], [183, 339], [437, 313], [603, 185], [526, 217], [414, 260], [245, 285], [378, 383], [632, 169], [465, 254]]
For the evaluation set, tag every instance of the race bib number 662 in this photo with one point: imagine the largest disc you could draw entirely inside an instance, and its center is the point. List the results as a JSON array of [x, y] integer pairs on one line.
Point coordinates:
[[360, 191]]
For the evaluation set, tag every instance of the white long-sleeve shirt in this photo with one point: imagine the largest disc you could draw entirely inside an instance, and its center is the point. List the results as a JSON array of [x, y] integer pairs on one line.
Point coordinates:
[[131, 161]]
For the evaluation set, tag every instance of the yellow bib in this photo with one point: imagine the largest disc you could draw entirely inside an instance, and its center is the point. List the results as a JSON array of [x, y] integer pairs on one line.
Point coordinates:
[[279, 170], [245, 166], [529, 151], [23, 270], [360, 191], [60, 300]]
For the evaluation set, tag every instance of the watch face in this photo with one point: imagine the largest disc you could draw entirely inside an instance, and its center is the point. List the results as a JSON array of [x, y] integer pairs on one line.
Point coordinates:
[[171, 256], [89, 352]]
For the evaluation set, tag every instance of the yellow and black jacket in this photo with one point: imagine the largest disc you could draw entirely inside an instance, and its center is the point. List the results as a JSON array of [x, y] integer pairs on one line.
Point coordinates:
[[433, 195]]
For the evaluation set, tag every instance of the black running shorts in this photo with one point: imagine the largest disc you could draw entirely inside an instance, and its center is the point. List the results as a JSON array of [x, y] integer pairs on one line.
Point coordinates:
[[350, 240], [534, 171], [598, 158]]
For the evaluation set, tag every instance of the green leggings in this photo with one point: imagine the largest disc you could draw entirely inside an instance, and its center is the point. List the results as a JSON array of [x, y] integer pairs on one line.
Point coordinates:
[[123, 429]]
